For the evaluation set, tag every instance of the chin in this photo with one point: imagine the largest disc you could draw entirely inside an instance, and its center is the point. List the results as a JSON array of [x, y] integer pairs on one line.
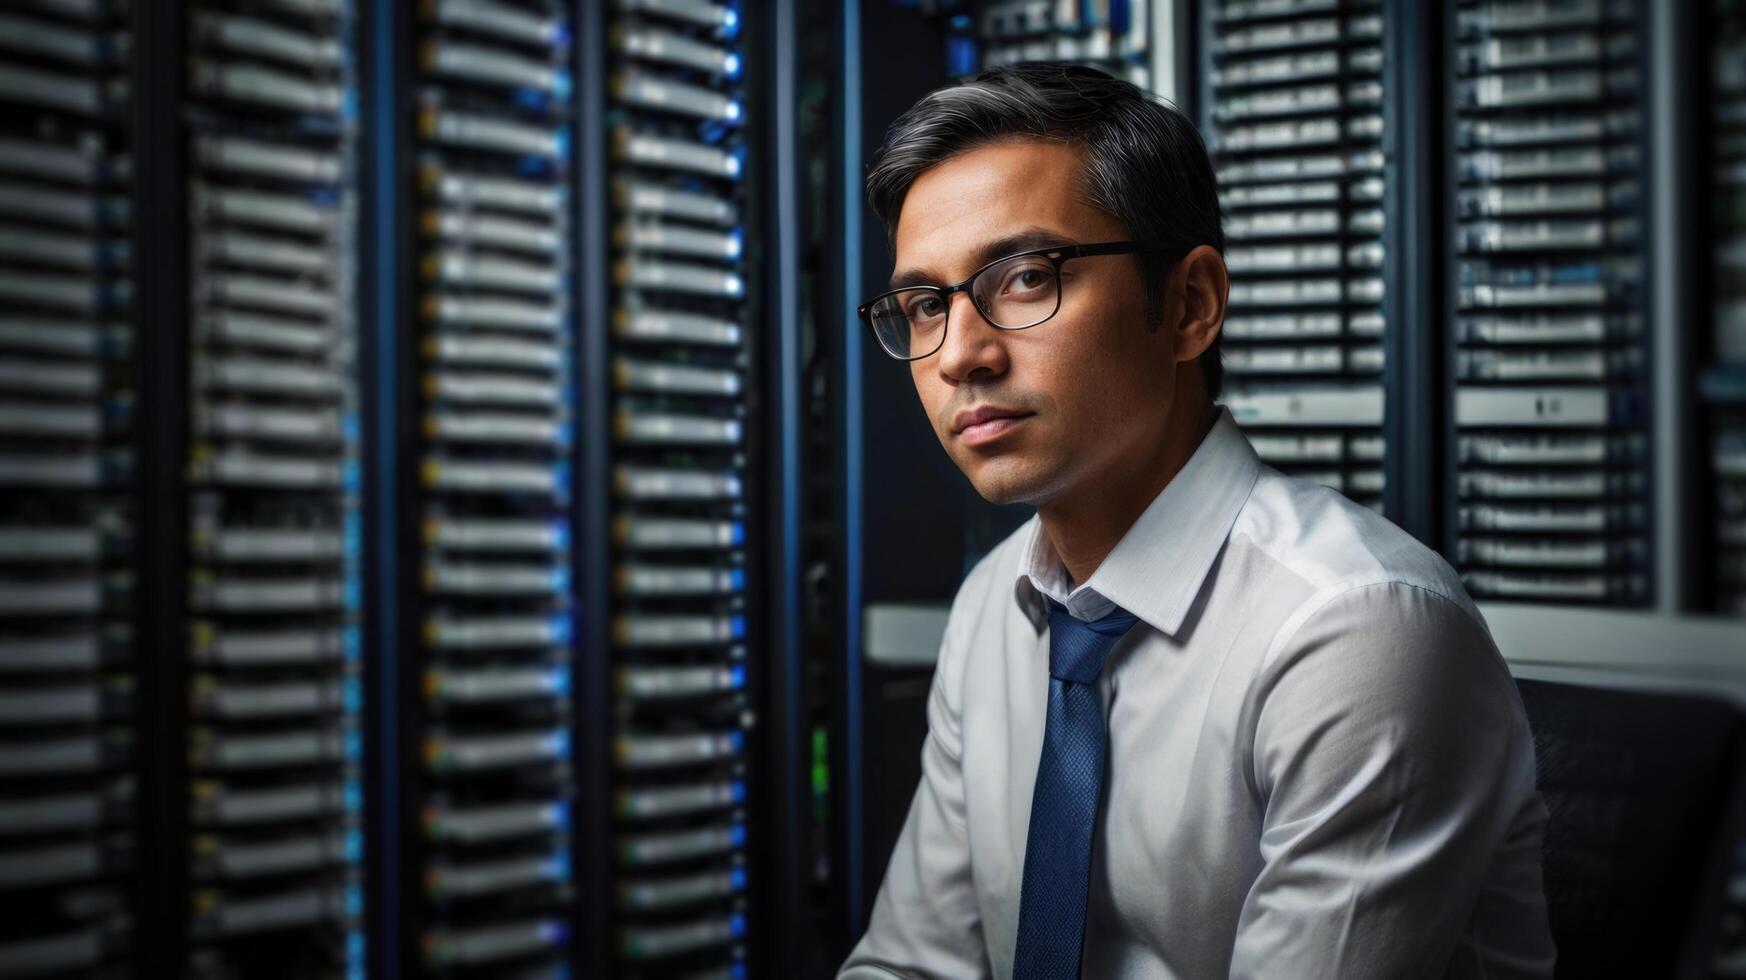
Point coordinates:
[[1010, 480]]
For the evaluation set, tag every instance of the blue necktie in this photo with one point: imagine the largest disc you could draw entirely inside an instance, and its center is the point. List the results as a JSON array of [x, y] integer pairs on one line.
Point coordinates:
[[1051, 929]]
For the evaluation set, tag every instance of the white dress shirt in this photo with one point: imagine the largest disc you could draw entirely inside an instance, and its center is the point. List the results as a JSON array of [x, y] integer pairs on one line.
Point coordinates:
[[1319, 765]]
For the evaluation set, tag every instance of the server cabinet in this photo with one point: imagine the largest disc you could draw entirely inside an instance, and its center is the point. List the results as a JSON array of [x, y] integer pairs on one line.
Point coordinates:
[[1723, 174], [1548, 456], [272, 747], [684, 641], [488, 786], [69, 754], [1110, 34], [1293, 111]]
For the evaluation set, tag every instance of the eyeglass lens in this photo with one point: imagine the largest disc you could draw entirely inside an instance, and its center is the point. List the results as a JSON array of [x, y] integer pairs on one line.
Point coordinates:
[[1019, 292]]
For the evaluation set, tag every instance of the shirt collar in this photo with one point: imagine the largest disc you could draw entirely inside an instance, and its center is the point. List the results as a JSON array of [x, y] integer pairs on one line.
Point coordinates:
[[1156, 569]]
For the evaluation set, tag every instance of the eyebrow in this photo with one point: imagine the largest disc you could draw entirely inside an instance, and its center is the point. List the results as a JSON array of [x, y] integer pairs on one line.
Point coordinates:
[[1020, 241]]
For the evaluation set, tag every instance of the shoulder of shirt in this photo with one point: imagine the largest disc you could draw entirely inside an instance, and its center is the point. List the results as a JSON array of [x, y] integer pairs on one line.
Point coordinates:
[[1338, 547], [992, 577]]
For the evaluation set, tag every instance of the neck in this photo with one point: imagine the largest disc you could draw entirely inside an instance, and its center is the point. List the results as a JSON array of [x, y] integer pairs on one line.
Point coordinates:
[[1085, 525]]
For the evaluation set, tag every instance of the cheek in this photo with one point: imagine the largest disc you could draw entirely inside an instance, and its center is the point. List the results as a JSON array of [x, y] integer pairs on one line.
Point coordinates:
[[930, 393], [1103, 378]]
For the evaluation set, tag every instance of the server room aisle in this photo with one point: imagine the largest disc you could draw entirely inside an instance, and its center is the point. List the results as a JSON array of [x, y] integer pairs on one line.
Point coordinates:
[[452, 523], [398, 491]]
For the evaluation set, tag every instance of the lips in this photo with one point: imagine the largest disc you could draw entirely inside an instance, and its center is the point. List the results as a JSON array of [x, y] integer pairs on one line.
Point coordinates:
[[976, 416], [974, 427]]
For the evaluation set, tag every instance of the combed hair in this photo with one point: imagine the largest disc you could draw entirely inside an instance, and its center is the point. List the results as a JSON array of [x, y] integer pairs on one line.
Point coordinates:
[[1145, 162]]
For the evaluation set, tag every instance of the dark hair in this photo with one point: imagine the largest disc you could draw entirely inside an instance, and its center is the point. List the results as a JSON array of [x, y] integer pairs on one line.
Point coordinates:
[[1145, 162]]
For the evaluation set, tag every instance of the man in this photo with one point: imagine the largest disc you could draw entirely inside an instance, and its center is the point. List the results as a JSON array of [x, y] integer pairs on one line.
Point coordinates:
[[1195, 718]]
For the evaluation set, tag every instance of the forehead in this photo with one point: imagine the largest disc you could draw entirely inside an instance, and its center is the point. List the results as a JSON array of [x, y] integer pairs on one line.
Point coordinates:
[[990, 192]]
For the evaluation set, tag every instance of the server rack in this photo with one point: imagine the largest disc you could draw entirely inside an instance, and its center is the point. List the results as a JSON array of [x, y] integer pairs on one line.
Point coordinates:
[[273, 745], [1294, 111], [1725, 380], [1547, 445], [69, 787], [686, 643], [488, 627], [1109, 34]]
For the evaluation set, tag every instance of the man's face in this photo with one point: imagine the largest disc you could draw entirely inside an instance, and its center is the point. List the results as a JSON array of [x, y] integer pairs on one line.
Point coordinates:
[[1093, 385]]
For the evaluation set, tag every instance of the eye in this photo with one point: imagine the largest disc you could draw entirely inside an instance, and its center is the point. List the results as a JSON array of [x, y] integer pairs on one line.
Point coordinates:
[[924, 308], [1028, 279]]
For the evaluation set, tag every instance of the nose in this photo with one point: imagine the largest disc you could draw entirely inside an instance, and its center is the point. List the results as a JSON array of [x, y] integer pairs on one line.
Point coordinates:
[[974, 349]]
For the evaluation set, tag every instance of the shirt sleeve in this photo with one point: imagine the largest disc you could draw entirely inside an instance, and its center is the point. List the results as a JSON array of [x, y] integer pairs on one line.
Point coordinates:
[[1397, 773], [925, 920]]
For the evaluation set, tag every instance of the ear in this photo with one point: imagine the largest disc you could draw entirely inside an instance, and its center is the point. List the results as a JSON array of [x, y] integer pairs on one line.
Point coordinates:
[[1196, 296]]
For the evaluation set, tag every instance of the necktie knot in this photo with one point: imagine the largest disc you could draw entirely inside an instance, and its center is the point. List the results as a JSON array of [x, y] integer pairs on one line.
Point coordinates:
[[1077, 649]]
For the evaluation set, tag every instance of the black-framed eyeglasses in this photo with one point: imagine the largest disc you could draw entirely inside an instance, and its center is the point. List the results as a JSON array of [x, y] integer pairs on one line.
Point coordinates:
[[1012, 293]]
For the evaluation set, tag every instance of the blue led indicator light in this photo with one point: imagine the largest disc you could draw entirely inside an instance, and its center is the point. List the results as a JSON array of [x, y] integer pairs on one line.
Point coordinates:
[[961, 56]]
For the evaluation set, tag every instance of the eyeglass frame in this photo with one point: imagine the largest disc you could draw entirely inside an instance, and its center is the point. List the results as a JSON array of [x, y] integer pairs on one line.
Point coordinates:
[[1058, 255]]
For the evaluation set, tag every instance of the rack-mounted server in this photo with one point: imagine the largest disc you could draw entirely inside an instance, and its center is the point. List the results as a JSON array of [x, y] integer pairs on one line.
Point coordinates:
[[1109, 34], [69, 761]]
